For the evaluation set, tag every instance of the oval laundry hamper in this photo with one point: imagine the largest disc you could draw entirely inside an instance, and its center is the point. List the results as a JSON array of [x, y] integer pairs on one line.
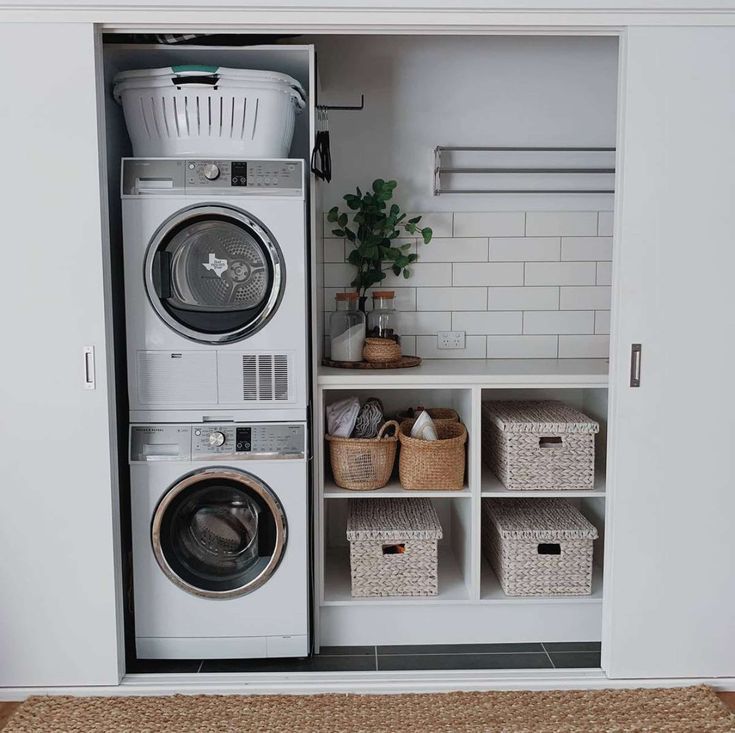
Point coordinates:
[[208, 111]]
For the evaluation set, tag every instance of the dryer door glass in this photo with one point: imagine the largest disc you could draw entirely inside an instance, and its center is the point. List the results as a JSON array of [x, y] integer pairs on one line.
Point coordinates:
[[219, 532], [214, 274]]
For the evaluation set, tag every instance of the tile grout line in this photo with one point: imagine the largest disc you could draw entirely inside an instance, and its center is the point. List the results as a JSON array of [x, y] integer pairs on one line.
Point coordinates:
[[548, 656]]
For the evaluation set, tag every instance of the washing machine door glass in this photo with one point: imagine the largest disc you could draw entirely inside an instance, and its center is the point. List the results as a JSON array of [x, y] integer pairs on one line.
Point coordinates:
[[219, 533], [214, 273]]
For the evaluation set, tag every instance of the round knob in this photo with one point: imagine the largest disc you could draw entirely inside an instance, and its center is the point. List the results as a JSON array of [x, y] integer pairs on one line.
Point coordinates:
[[216, 439], [211, 171]]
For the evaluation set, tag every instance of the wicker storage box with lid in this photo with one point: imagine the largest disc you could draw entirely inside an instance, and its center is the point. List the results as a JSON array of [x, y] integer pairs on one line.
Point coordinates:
[[542, 445], [393, 547], [538, 547]]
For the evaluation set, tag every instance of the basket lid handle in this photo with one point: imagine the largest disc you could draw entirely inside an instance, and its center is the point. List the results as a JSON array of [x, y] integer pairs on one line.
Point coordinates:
[[199, 68], [390, 424]]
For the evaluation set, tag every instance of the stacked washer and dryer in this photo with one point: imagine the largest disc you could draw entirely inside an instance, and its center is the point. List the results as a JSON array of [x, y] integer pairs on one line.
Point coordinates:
[[216, 314]]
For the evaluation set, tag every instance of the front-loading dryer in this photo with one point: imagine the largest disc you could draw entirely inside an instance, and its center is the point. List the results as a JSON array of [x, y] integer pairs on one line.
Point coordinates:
[[219, 540], [215, 287]]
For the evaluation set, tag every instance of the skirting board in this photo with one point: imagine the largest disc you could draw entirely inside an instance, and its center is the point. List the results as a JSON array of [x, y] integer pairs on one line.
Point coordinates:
[[312, 683], [477, 623]]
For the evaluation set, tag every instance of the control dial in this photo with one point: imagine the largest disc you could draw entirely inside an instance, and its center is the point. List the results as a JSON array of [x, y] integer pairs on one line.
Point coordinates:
[[216, 439], [211, 171]]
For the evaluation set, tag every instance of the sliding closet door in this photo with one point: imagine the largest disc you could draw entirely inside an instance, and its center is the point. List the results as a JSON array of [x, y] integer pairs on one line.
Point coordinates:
[[58, 585], [670, 586]]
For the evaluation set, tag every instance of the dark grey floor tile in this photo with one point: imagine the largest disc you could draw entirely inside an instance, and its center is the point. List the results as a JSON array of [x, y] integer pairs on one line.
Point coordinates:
[[396, 662], [572, 646], [346, 651], [575, 660], [164, 666], [320, 663], [460, 649]]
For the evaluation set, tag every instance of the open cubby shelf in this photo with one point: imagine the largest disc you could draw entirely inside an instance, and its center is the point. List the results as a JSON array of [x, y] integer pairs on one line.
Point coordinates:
[[470, 604]]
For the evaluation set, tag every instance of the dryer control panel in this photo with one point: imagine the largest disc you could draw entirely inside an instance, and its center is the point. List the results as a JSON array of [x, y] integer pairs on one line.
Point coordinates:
[[159, 176], [231, 441]]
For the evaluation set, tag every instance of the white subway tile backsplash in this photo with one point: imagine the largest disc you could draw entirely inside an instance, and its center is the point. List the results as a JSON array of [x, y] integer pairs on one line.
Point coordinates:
[[423, 274], [474, 348], [489, 322], [454, 249], [584, 347], [522, 347], [439, 222], [575, 322], [488, 273], [604, 273], [560, 273], [585, 298], [586, 248], [408, 345], [334, 250], [602, 322], [521, 285], [524, 249], [338, 275], [605, 224], [489, 224], [523, 298], [329, 302], [561, 224], [451, 299], [426, 323]]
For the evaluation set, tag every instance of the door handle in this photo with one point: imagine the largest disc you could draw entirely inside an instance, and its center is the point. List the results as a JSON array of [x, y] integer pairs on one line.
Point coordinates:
[[635, 365], [88, 356]]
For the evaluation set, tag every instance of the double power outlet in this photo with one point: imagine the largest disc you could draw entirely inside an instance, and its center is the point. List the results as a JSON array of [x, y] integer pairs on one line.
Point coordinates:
[[450, 340]]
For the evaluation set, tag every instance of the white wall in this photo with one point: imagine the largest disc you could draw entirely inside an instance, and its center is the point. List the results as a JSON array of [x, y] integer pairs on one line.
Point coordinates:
[[423, 91]]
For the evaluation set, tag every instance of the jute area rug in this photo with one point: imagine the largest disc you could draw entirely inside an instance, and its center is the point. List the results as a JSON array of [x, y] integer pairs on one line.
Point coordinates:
[[692, 709]]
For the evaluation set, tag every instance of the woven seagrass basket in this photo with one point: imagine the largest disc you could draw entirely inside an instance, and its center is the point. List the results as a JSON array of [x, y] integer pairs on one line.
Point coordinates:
[[433, 464], [538, 547], [393, 547], [539, 445], [437, 414], [363, 464], [381, 350]]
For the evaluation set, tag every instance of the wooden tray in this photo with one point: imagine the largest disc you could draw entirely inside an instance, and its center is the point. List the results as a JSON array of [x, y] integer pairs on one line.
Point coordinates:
[[405, 362]]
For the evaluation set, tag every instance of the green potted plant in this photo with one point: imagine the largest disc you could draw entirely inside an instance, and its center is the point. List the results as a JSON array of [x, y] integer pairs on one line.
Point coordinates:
[[373, 231]]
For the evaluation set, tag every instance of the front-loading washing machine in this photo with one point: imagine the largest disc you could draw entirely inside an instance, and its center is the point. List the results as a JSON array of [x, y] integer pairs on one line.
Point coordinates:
[[215, 287], [220, 548]]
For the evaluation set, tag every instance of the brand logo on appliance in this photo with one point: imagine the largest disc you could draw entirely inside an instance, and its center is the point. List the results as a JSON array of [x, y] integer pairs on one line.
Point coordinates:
[[215, 265]]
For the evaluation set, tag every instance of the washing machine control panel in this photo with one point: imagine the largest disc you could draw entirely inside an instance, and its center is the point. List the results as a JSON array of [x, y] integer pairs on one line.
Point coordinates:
[[248, 441], [233, 441]]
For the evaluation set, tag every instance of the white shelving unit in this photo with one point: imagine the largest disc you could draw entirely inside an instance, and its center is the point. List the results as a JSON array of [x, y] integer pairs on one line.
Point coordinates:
[[470, 605]]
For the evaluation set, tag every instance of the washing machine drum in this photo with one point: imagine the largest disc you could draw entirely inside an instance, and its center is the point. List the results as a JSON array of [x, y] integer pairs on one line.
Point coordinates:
[[214, 274], [219, 533]]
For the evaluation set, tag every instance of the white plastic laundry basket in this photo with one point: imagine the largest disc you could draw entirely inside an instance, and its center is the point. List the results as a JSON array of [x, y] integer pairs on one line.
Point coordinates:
[[182, 111]]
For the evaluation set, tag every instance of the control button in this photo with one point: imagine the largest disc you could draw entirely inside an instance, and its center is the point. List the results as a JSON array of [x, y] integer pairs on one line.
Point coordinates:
[[259, 180], [191, 166], [211, 171], [216, 439], [197, 432]]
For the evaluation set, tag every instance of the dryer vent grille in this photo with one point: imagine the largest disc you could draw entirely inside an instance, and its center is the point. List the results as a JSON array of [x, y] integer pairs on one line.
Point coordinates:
[[265, 378]]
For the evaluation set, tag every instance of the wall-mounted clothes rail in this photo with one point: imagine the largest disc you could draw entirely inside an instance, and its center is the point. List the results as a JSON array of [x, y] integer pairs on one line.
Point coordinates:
[[344, 107], [507, 169]]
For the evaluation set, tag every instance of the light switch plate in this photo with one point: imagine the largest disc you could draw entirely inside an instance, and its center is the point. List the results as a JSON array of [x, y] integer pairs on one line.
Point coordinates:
[[450, 340]]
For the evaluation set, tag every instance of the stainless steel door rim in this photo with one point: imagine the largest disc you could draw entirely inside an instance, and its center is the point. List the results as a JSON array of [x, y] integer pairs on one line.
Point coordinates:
[[271, 250], [249, 484]]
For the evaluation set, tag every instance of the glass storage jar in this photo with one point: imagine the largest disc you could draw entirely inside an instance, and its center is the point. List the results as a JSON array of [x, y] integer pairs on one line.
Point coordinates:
[[382, 321], [346, 328]]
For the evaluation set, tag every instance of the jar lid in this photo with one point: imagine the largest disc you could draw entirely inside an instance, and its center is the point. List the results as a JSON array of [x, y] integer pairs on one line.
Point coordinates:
[[352, 295], [384, 294]]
